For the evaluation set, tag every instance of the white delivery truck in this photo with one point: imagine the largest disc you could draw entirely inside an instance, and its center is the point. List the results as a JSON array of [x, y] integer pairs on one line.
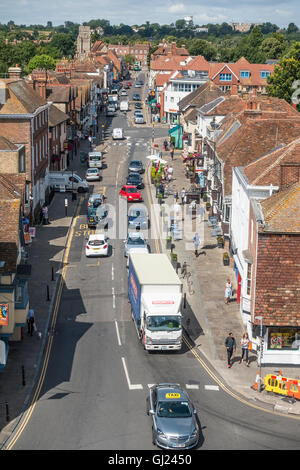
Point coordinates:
[[118, 133], [124, 106], [95, 159], [67, 181], [155, 295]]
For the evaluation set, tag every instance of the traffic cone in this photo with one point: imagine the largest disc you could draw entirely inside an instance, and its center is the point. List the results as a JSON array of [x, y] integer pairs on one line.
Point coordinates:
[[255, 386]]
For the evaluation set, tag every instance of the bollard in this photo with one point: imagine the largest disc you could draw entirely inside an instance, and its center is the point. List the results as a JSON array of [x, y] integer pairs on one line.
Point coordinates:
[[52, 274], [7, 412], [48, 294], [23, 376], [184, 300]]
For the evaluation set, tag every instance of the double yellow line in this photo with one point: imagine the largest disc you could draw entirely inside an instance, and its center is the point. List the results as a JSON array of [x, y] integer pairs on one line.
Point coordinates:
[[29, 411]]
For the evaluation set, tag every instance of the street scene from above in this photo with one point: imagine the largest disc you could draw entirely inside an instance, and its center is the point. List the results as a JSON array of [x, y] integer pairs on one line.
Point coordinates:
[[149, 250]]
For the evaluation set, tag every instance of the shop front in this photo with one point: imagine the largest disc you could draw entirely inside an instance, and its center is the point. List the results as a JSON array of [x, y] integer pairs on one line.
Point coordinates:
[[280, 345]]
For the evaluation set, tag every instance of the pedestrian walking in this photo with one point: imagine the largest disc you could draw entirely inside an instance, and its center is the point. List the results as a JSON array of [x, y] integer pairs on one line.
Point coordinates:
[[165, 145], [175, 196], [182, 194], [245, 348], [201, 212], [230, 345], [45, 214], [172, 153], [90, 141], [228, 291], [30, 321], [196, 240]]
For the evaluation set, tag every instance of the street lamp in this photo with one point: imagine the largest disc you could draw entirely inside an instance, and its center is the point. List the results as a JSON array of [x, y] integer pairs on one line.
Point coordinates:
[[260, 318]]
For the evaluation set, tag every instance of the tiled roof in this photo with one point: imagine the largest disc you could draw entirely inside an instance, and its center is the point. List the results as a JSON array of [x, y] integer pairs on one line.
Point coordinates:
[[162, 78], [5, 144], [202, 95], [56, 116], [171, 63], [59, 94], [266, 170], [282, 211], [245, 138], [22, 98]]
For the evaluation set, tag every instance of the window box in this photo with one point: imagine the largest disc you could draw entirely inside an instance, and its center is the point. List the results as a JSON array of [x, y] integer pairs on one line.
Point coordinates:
[[226, 259]]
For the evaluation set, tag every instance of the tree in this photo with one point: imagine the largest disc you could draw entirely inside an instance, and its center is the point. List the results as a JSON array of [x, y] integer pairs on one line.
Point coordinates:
[[129, 59], [41, 62], [64, 43], [292, 28], [273, 48], [286, 73]]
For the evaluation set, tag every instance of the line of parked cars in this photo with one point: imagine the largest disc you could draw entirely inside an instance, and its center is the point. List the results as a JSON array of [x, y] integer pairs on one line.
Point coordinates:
[[97, 217]]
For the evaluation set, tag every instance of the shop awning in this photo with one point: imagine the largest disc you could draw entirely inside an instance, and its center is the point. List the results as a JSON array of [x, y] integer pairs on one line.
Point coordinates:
[[177, 133]]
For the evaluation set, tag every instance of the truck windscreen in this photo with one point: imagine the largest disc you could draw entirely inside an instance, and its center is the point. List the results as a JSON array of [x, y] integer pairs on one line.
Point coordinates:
[[163, 322]]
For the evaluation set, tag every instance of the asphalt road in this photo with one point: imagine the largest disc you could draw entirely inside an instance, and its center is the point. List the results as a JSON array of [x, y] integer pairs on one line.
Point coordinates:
[[97, 375]]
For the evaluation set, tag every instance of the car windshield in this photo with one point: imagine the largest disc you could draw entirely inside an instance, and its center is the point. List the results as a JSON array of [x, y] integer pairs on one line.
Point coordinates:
[[174, 409], [131, 190], [163, 322], [95, 158], [133, 178], [93, 170], [136, 164], [137, 213], [136, 241], [96, 242]]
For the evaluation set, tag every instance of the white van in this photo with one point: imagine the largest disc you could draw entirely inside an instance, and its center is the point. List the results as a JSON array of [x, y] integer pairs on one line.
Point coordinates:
[[118, 133], [95, 159], [124, 106], [67, 181]]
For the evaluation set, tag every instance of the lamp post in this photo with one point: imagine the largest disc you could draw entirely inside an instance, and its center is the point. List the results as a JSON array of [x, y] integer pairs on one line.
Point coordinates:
[[260, 350]]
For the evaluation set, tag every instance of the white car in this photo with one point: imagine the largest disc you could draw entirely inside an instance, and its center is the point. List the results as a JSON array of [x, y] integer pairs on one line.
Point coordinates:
[[93, 174], [97, 245], [123, 93], [139, 119]]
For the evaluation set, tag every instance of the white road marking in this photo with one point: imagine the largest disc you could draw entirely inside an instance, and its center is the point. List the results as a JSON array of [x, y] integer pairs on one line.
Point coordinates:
[[112, 272], [192, 386], [118, 334], [130, 385], [212, 387], [114, 297], [150, 385]]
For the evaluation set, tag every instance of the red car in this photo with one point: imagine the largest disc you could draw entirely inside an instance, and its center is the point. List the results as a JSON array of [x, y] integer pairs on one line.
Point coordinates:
[[128, 83], [131, 193]]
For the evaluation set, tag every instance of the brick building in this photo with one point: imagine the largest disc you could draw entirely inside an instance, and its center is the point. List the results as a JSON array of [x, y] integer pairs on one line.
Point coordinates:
[[24, 120], [274, 274]]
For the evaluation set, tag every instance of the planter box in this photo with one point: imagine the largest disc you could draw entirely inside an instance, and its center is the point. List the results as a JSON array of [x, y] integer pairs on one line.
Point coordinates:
[[226, 262]]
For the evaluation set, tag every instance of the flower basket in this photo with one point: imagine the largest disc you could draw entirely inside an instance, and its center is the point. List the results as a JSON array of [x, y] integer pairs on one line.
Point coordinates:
[[204, 197], [226, 259], [207, 205], [169, 243], [220, 241], [174, 260]]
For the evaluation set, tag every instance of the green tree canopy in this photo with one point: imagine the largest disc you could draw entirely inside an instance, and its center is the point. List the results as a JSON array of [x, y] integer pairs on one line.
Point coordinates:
[[41, 62]]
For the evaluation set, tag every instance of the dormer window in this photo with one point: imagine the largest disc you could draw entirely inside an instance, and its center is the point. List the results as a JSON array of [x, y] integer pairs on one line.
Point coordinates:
[[245, 73], [225, 77], [264, 73]]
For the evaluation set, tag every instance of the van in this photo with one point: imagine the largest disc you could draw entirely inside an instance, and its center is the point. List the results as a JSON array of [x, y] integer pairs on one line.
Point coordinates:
[[124, 106], [67, 181], [95, 159], [118, 133]]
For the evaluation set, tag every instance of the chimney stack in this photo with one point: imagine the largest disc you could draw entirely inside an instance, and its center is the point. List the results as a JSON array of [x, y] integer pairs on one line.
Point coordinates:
[[15, 72], [289, 174]]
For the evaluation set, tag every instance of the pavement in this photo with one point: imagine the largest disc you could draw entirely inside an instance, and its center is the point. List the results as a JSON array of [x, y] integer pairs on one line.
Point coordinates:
[[207, 320]]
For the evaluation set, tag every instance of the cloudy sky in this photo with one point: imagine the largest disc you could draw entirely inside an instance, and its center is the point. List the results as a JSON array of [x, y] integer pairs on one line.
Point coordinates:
[[139, 11]]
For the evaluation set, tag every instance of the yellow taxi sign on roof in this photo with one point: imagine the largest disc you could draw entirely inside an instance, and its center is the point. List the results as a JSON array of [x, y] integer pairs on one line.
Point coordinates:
[[172, 395]]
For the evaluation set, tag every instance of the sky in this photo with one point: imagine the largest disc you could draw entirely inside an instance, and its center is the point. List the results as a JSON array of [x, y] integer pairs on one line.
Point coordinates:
[[132, 12]]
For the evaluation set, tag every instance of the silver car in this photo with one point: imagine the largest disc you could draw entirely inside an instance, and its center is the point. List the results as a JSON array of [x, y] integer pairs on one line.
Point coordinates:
[[137, 218], [139, 119], [174, 421], [134, 240]]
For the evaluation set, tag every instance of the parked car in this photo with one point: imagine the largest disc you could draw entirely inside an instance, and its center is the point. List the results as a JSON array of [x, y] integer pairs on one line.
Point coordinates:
[[138, 85], [124, 93], [135, 166], [138, 106], [135, 240], [97, 217], [135, 179], [130, 193], [97, 245], [92, 174], [95, 200], [174, 421], [138, 112], [139, 119], [138, 218], [136, 97]]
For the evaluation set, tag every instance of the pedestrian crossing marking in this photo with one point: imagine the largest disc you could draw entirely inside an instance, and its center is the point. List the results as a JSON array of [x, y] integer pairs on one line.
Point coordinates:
[[212, 387]]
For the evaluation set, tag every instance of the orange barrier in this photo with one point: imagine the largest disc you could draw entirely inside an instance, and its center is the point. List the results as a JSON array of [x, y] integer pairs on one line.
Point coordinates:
[[282, 385]]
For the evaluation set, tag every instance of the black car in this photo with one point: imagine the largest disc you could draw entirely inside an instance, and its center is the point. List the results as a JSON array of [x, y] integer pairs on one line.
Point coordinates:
[[136, 97], [138, 106], [135, 180], [135, 166]]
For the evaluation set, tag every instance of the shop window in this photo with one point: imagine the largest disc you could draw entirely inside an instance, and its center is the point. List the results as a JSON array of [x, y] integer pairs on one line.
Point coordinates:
[[284, 338]]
